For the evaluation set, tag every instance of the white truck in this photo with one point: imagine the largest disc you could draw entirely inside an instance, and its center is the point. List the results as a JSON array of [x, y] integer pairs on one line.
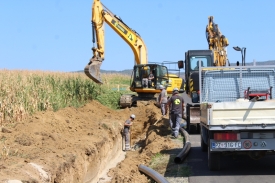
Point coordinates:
[[237, 112]]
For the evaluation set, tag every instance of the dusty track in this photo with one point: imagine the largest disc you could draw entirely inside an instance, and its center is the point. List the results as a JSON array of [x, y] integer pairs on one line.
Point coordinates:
[[76, 145]]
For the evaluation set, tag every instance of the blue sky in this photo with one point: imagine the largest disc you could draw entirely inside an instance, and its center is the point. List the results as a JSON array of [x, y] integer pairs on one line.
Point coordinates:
[[56, 35]]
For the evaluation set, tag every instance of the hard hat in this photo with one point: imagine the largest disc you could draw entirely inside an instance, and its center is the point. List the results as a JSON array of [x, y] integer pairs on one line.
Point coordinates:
[[161, 87], [175, 90], [132, 116]]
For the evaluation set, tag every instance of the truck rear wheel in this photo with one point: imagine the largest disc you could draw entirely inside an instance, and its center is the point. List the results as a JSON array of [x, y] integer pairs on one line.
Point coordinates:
[[192, 129], [204, 146], [198, 128], [213, 160]]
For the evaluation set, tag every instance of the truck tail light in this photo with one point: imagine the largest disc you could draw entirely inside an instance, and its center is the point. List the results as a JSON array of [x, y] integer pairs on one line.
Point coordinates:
[[226, 136]]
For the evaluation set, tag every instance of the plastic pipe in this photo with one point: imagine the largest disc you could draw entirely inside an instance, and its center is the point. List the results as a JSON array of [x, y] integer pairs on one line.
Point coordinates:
[[153, 174], [187, 146]]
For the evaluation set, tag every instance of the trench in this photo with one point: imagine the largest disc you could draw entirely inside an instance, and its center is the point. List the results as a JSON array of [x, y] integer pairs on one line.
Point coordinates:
[[142, 137], [140, 146], [78, 145], [112, 159], [101, 160]]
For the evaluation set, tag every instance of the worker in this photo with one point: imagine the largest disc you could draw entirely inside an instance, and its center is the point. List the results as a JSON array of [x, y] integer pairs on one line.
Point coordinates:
[[197, 67], [144, 78], [145, 82], [163, 100], [238, 63], [176, 106], [128, 123], [150, 79]]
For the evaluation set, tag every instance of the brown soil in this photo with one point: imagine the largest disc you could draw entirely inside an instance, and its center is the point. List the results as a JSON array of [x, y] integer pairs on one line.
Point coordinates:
[[77, 145]]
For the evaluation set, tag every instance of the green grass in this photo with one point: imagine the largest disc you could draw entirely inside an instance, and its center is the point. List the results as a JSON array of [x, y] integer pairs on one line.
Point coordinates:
[[164, 164]]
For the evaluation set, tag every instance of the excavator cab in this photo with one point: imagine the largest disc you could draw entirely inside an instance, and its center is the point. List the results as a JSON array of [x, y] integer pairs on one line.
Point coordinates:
[[141, 82], [193, 60]]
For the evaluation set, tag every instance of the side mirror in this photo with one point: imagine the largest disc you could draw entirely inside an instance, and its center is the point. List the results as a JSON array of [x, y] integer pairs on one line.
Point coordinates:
[[195, 97], [180, 64]]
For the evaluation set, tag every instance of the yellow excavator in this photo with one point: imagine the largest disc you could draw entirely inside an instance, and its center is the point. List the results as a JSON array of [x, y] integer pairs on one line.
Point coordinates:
[[216, 55], [216, 42], [145, 89]]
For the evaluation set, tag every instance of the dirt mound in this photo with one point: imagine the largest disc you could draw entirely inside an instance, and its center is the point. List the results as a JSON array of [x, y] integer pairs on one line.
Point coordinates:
[[76, 145]]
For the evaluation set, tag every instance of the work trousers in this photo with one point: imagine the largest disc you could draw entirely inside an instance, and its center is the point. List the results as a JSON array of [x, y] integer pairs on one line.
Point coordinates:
[[163, 108], [127, 140], [175, 120], [145, 82]]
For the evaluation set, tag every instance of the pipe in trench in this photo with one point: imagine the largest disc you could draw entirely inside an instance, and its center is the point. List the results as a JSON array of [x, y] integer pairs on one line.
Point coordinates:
[[187, 146], [153, 174]]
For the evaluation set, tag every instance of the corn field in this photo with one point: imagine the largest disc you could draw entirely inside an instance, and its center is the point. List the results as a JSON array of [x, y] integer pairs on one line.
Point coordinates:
[[23, 93]]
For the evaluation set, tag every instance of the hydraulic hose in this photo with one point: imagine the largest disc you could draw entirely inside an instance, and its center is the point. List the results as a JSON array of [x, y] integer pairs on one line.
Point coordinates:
[[93, 29], [187, 146], [151, 173]]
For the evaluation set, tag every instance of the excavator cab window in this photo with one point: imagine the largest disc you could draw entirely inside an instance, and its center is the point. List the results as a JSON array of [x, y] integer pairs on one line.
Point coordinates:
[[138, 74], [145, 75], [142, 72], [195, 60], [161, 75]]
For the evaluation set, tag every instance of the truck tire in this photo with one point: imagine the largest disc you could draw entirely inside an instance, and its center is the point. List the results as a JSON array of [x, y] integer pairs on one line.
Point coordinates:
[[213, 160], [198, 128], [204, 146], [192, 129]]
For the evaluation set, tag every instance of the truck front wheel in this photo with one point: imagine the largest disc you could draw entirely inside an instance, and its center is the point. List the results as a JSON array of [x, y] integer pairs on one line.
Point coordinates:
[[213, 160]]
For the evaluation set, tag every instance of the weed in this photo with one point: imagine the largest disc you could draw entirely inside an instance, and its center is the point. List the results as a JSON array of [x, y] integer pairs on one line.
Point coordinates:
[[184, 171], [5, 152], [157, 156], [164, 164], [105, 126], [3, 139], [159, 162]]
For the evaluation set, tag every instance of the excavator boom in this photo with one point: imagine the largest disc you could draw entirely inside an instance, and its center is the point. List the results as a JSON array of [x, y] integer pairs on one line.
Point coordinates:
[[101, 15], [144, 86], [216, 42]]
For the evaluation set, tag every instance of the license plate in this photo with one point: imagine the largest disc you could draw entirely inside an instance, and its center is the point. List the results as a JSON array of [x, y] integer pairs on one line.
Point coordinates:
[[225, 145]]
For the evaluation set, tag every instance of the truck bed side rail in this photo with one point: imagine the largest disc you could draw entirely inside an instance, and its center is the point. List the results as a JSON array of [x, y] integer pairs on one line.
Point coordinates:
[[223, 84]]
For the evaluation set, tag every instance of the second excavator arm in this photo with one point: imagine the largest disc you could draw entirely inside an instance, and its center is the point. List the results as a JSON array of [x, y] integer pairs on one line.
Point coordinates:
[[101, 14], [216, 42]]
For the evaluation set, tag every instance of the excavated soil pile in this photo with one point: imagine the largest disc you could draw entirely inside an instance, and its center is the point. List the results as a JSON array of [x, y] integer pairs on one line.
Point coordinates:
[[77, 145]]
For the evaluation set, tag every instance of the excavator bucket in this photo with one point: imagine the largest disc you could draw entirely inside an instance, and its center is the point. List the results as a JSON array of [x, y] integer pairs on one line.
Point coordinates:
[[92, 70]]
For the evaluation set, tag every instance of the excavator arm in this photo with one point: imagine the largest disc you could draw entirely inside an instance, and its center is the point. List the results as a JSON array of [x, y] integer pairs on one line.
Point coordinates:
[[101, 14], [216, 42]]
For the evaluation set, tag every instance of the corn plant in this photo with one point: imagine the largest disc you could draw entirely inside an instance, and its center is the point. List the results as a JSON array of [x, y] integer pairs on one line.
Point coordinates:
[[23, 93]]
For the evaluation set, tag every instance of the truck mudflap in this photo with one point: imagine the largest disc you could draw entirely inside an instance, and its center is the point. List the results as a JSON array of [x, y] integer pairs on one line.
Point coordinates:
[[243, 145], [192, 117]]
